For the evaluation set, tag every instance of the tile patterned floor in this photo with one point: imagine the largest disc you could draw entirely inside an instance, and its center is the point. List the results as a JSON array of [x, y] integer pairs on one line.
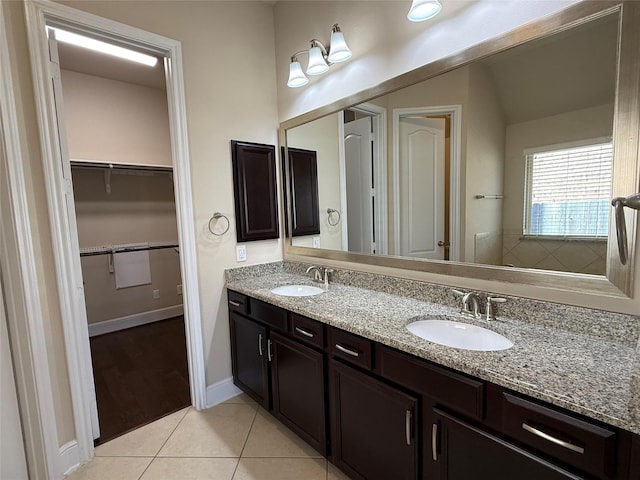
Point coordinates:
[[236, 440]]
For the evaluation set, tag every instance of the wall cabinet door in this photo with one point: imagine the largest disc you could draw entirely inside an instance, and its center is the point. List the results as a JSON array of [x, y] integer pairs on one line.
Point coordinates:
[[461, 451], [249, 358], [373, 426], [298, 390]]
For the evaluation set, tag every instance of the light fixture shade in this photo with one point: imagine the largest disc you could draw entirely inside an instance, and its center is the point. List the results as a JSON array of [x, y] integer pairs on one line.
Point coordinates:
[[297, 77], [338, 51], [423, 9], [317, 64]]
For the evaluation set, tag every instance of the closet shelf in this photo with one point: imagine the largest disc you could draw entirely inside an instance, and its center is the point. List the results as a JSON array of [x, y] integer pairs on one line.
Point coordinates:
[[108, 249], [76, 163]]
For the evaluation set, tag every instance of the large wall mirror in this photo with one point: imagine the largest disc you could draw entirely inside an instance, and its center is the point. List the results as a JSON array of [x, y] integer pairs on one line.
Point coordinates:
[[499, 163]]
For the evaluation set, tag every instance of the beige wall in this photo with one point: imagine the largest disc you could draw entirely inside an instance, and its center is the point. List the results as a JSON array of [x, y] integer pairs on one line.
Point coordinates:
[[484, 170], [323, 137], [139, 209], [114, 121]]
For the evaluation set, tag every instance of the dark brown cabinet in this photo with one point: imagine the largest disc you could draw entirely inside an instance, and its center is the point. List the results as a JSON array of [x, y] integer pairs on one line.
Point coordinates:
[[254, 185], [303, 172], [373, 425], [461, 451], [298, 390]]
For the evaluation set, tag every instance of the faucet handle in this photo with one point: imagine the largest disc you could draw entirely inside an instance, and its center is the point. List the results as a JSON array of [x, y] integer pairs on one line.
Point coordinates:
[[489, 314], [458, 292]]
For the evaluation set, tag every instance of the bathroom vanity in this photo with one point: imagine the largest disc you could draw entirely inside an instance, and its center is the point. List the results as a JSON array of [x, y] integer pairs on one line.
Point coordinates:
[[342, 371]]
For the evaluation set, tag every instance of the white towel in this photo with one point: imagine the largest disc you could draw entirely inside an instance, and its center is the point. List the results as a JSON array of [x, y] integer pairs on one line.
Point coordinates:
[[132, 268]]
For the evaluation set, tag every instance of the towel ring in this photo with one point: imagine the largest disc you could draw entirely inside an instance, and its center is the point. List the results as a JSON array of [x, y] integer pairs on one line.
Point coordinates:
[[216, 216], [331, 211]]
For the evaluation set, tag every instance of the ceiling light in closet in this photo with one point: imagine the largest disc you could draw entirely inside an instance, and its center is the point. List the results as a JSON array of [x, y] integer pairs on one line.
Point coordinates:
[[103, 47], [320, 58], [423, 10]]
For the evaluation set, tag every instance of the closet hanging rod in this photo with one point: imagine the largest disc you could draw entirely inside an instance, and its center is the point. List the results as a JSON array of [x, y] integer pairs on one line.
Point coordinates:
[[119, 166], [109, 250]]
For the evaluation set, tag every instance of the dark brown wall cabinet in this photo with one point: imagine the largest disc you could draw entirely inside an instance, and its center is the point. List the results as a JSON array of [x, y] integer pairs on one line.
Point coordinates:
[[254, 185], [303, 171], [395, 416]]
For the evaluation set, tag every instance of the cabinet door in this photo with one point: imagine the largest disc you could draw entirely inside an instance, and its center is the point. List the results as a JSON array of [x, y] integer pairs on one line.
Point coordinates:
[[461, 451], [303, 172], [373, 427], [298, 389], [249, 358]]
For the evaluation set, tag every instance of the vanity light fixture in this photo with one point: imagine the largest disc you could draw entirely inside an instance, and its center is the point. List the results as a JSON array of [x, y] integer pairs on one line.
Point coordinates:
[[320, 58], [103, 47], [423, 10]]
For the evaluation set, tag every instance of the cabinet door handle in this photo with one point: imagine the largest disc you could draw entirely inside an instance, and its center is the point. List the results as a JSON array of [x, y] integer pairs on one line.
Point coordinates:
[[347, 351], [557, 441], [304, 332], [235, 304], [407, 426], [260, 343], [269, 350], [434, 442]]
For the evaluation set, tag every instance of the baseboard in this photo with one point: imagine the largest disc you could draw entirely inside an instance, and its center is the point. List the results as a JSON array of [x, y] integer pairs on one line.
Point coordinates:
[[134, 320], [69, 459], [221, 391]]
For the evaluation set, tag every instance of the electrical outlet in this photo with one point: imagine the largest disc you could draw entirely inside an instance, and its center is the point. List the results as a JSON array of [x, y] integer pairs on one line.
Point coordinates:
[[156, 294], [316, 242], [241, 253], [179, 289]]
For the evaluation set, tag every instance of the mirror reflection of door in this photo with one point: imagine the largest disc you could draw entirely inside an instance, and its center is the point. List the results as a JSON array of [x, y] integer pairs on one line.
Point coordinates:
[[360, 191], [421, 188]]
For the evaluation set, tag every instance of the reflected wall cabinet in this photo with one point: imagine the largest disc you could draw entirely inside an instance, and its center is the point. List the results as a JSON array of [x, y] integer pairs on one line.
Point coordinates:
[[254, 188], [303, 170]]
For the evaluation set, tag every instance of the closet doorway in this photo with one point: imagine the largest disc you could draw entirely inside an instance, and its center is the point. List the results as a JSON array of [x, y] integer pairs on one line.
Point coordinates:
[[62, 218], [116, 119]]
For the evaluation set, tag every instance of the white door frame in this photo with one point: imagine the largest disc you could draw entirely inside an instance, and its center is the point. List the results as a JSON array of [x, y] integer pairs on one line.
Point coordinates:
[[22, 293], [39, 13], [379, 125], [455, 111]]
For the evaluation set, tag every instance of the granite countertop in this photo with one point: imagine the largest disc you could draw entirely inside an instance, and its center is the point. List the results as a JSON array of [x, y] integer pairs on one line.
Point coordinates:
[[589, 375]]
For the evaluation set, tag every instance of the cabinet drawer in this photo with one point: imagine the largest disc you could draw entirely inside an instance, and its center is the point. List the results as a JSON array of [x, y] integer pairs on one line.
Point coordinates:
[[273, 316], [578, 443], [455, 391], [238, 302], [307, 330], [352, 348]]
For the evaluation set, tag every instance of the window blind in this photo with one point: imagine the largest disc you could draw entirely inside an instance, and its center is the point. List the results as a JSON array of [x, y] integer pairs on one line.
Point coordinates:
[[569, 191]]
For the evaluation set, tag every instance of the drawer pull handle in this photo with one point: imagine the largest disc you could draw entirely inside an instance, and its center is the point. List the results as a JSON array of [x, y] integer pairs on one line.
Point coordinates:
[[347, 351], [260, 343], [269, 350], [235, 304], [407, 426], [304, 332], [551, 439], [434, 441]]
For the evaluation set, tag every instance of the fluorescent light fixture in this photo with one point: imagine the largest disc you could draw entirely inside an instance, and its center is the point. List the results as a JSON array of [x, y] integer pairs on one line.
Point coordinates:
[[103, 47]]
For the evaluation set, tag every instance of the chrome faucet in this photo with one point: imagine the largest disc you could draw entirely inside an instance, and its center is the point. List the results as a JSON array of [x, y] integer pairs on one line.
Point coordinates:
[[325, 276], [471, 304], [317, 273]]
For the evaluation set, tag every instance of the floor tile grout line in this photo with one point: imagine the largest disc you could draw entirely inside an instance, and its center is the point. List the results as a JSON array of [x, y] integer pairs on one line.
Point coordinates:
[[255, 415]]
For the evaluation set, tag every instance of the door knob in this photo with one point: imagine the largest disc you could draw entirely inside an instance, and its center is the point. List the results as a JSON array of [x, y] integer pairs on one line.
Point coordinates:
[[443, 244]]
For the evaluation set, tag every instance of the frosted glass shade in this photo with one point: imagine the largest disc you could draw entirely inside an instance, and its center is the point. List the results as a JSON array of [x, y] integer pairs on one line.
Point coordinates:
[[317, 65], [423, 9], [338, 52], [297, 77]]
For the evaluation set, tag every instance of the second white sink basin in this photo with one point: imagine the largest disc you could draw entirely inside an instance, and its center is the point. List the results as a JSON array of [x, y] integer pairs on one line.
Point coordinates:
[[459, 335], [297, 290]]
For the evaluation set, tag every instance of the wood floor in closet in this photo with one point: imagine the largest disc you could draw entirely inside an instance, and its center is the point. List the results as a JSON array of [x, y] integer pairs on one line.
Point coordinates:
[[141, 374]]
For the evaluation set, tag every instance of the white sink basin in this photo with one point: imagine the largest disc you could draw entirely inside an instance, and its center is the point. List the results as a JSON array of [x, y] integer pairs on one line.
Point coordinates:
[[459, 335], [297, 290]]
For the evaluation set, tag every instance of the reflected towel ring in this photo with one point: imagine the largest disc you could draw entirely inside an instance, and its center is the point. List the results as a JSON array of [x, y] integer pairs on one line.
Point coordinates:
[[331, 211], [216, 216]]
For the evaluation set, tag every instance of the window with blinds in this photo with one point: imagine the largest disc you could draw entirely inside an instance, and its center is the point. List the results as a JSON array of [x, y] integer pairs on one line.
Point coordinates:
[[568, 191]]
